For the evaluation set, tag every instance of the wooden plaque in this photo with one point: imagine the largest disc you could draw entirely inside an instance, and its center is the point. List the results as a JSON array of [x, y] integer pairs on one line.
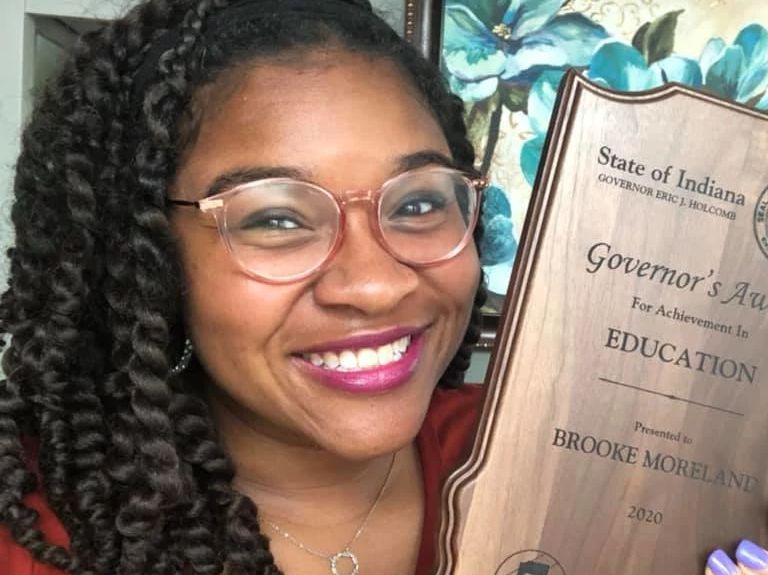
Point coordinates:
[[625, 429]]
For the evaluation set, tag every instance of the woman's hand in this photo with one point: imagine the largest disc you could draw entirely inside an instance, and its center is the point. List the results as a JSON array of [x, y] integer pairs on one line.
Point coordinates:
[[751, 559]]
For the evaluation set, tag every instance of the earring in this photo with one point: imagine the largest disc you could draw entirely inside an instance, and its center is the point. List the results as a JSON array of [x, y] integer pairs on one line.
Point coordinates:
[[186, 356]]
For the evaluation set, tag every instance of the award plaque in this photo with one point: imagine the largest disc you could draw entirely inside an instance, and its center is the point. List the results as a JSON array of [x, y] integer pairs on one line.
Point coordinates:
[[625, 429]]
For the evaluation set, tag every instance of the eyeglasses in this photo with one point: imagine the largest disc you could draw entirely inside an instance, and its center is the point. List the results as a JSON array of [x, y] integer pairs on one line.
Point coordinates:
[[281, 230]]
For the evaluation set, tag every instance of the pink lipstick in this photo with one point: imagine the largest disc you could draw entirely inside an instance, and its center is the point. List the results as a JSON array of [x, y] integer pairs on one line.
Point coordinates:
[[399, 351]]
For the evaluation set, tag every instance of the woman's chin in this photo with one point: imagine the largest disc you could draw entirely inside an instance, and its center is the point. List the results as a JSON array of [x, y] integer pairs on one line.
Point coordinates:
[[360, 444]]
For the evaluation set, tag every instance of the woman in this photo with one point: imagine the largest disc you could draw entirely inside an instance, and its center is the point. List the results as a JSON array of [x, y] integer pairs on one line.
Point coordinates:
[[244, 279], [200, 181]]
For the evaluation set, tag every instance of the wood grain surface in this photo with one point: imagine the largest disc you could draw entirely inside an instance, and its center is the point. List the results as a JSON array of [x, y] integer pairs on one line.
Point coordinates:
[[626, 425]]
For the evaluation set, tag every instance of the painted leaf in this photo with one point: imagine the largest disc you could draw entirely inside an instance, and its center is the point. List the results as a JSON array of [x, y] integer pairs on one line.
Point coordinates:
[[514, 98], [638, 40], [656, 40], [479, 118]]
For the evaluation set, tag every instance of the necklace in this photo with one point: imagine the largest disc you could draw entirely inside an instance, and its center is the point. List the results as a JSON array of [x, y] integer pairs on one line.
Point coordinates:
[[346, 552]]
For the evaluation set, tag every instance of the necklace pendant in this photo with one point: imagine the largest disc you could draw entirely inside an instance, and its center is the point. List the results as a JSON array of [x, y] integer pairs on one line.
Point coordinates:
[[346, 554]]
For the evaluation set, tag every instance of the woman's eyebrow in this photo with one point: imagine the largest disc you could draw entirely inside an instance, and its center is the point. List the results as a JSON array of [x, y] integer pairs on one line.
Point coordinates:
[[238, 176], [421, 159]]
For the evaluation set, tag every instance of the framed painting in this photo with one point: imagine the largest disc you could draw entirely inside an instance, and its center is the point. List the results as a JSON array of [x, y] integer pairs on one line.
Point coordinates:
[[505, 59], [414, 20]]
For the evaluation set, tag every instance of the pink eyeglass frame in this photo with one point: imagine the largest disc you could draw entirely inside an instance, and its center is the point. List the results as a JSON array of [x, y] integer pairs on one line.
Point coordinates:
[[216, 204]]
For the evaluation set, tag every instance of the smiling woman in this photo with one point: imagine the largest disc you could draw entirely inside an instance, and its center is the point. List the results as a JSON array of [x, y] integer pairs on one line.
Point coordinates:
[[273, 120], [243, 296]]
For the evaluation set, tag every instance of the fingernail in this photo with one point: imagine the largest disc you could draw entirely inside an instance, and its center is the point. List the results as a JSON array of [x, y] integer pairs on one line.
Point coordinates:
[[751, 555], [720, 564]]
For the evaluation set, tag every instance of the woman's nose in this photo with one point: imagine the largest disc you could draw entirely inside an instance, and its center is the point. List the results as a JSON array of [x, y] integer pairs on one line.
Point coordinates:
[[363, 274]]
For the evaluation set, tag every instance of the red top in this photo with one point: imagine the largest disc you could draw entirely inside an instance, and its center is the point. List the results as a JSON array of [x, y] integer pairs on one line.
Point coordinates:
[[444, 438], [443, 442]]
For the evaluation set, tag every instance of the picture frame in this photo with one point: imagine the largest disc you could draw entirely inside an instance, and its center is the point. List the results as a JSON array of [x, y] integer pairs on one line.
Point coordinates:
[[422, 26], [508, 73]]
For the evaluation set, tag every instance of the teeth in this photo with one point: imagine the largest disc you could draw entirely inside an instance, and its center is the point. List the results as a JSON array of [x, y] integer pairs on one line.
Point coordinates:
[[348, 359], [331, 360], [384, 354], [367, 358], [364, 358]]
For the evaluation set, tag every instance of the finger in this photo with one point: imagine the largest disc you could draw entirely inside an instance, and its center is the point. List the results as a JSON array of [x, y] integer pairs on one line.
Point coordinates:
[[752, 559], [719, 563]]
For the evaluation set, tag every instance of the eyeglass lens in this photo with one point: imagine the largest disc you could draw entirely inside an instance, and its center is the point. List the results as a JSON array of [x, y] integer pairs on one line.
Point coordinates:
[[283, 228]]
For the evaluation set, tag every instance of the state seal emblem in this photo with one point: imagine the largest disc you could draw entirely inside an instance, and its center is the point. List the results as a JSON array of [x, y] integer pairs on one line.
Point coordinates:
[[530, 562], [761, 222]]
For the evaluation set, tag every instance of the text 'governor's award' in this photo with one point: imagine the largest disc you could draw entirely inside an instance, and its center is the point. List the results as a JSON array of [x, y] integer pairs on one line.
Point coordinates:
[[626, 425]]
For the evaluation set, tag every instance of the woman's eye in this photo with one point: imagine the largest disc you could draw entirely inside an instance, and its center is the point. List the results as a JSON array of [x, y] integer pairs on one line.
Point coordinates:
[[270, 222], [275, 228], [277, 224], [416, 208], [420, 206]]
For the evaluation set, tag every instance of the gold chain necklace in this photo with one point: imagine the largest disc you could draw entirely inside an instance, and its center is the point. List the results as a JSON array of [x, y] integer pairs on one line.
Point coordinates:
[[346, 552]]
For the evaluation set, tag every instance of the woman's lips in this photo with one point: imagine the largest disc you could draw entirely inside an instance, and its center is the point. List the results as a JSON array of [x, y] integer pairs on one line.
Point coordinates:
[[366, 340], [341, 371]]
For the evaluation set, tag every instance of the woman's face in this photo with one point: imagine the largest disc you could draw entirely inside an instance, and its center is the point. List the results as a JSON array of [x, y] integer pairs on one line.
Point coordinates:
[[344, 122]]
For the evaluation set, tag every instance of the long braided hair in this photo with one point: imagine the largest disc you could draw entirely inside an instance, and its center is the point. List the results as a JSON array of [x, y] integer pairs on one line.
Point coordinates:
[[128, 457]]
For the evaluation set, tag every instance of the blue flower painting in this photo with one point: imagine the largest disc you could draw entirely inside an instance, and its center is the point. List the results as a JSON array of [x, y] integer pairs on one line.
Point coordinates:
[[493, 52], [505, 59], [738, 71], [488, 46]]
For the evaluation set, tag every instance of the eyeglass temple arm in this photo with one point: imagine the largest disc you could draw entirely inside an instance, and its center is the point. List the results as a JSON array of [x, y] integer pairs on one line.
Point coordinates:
[[204, 205], [480, 183], [170, 202]]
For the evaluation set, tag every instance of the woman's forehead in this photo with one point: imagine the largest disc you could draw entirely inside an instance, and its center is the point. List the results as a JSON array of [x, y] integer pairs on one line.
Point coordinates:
[[330, 108], [277, 85]]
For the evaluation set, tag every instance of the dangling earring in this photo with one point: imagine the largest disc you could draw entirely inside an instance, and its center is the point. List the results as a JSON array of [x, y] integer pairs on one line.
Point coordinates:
[[186, 356]]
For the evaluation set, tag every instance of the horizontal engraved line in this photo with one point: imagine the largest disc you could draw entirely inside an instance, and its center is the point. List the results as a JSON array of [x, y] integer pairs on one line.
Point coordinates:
[[670, 396]]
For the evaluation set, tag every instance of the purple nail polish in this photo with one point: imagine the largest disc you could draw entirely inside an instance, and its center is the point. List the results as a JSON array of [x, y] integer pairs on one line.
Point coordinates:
[[751, 555], [720, 564]]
